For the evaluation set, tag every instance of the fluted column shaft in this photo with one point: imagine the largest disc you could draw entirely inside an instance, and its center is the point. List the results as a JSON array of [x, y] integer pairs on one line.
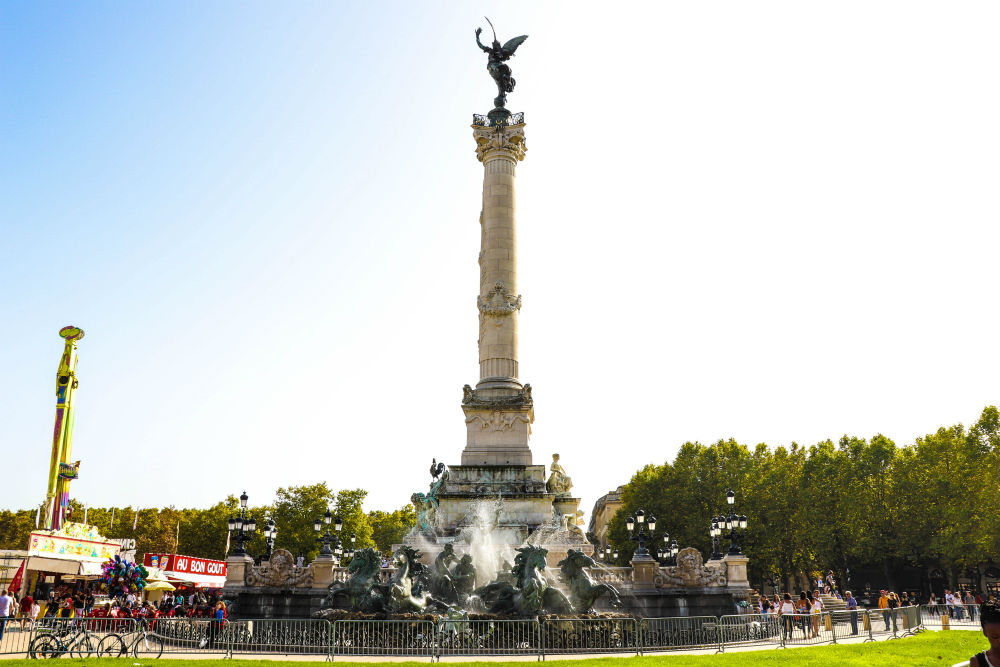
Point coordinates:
[[499, 302]]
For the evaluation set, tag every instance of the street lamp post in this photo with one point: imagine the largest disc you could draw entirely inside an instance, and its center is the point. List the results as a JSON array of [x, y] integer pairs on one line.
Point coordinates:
[[669, 551], [242, 526], [714, 530], [270, 535], [734, 523], [323, 523], [637, 531]]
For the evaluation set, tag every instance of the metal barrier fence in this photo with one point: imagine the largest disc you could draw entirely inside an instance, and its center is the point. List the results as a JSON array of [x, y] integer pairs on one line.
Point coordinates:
[[391, 638], [458, 637], [675, 633], [944, 616], [288, 637], [193, 636], [483, 637], [53, 638], [806, 629], [850, 624], [749, 630], [589, 635]]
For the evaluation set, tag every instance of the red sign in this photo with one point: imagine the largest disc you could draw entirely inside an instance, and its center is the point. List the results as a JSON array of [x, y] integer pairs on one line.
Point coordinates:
[[186, 564]]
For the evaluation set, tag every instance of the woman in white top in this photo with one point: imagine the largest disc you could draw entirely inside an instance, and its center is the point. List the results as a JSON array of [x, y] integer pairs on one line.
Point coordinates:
[[787, 611]]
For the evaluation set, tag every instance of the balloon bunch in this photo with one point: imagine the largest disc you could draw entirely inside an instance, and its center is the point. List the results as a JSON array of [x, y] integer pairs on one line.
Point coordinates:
[[122, 577]]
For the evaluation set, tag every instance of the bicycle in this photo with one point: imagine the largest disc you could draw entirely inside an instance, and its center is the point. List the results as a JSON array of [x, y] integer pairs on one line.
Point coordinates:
[[73, 639], [137, 640]]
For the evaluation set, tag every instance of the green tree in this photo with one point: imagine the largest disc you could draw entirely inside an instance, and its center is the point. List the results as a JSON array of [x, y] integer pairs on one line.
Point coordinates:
[[390, 528], [349, 508], [295, 511]]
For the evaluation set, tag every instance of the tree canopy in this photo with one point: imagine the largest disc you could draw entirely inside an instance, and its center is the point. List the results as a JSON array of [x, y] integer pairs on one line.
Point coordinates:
[[857, 502]]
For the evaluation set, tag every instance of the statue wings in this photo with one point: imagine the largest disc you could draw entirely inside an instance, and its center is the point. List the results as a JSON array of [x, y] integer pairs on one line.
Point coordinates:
[[511, 46]]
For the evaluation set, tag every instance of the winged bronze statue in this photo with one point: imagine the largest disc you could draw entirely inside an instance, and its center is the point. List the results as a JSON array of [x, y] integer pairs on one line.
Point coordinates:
[[498, 55]]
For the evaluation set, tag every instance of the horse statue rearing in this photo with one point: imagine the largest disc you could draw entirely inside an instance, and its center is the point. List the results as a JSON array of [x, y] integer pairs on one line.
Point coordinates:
[[583, 592], [362, 591], [401, 594], [531, 595]]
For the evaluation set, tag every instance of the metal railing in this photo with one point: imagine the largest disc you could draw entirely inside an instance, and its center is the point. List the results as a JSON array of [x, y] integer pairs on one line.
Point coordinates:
[[676, 633], [197, 636], [432, 638], [589, 635], [288, 637], [950, 616], [749, 630], [390, 638]]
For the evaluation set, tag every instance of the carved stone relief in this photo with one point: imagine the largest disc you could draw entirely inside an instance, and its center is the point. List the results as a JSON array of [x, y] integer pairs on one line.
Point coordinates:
[[690, 572], [280, 572]]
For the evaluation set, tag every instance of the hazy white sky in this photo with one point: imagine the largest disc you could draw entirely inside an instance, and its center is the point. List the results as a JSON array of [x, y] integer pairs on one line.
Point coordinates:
[[772, 221]]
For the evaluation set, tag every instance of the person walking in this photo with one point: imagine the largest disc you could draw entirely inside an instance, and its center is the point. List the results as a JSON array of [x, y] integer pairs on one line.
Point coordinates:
[[883, 604], [893, 604], [27, 602], [851, 605], [6, 604]]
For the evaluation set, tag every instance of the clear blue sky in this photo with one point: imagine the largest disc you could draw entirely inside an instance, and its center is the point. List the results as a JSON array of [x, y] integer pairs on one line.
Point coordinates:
[[773, 221]]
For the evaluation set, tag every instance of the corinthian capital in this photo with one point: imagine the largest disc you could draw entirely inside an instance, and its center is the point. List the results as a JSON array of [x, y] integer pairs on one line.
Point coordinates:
[[507, 139]]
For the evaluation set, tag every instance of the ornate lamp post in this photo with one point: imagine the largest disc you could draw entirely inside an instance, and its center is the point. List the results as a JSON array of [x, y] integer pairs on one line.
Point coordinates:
[[270, 535], [669, 551], [350, 552], [636, 528], [734, 523], [607, 554], [714, 531], [326, 538], [242, 526]]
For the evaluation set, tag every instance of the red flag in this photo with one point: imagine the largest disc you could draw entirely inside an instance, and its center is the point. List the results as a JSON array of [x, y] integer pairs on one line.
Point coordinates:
[[15, 584]]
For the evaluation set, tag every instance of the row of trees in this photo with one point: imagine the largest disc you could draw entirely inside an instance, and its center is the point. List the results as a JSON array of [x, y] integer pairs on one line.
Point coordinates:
[[203, 532], [852, 504]]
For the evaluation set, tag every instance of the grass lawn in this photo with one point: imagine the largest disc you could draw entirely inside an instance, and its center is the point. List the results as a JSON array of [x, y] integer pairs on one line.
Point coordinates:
[[927, 648]]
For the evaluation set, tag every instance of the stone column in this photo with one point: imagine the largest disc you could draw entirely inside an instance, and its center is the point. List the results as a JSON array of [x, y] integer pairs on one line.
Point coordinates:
[[499, 411]]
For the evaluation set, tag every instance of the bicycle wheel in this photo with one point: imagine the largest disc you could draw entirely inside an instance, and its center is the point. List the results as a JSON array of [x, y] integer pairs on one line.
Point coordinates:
[[112, 646], [45, 646], [148, 646], [84, 647]]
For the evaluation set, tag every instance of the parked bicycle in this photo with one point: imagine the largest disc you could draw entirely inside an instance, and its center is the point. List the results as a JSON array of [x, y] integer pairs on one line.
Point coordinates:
[[55, 642], [139, 640]]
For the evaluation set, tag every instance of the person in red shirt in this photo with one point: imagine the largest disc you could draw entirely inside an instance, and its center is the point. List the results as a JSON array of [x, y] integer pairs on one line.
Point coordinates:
[[25, 614]]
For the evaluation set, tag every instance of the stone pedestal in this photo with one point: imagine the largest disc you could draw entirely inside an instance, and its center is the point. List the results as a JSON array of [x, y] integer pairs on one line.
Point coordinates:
[[644, 573], [736, 571], [322, 569], [236, 570]]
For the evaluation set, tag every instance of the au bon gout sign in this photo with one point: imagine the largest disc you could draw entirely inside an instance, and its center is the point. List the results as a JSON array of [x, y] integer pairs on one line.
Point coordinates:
[[174, 563]]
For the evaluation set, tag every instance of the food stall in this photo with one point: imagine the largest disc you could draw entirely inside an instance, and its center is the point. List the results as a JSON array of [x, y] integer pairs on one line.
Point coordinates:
[[63, 558]]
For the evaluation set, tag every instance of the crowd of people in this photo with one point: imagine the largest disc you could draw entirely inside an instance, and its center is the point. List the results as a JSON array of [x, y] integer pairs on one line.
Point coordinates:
[[805, 611], [86, 603]]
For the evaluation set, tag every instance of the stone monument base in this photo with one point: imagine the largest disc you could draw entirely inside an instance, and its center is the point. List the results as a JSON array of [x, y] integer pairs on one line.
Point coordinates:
[[501, 507]]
